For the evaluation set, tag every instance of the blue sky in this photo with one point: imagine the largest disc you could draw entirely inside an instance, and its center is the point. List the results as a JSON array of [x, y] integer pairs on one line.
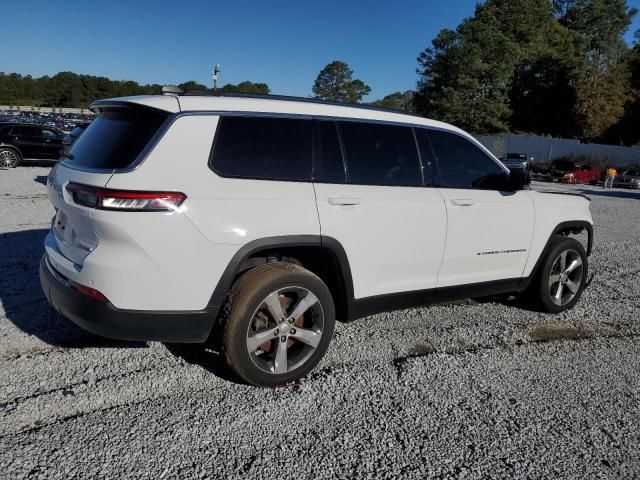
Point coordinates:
[[282, 43]]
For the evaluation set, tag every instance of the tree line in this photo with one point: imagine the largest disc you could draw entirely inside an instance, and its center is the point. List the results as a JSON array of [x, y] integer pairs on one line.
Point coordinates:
[[547, 67], [68, 89]]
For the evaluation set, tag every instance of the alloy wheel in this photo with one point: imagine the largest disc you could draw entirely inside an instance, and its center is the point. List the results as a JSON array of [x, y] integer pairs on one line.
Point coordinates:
[[285, 330], [565, 277], [8, 159]]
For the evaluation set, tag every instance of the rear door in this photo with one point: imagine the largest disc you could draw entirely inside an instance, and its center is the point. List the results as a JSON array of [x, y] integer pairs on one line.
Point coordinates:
[[51, 143], [371, 198], [489, 228]]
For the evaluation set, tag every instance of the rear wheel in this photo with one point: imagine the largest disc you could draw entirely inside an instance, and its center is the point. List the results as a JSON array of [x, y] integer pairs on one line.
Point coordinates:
[[9, 158], [562, 277], [278, 323]]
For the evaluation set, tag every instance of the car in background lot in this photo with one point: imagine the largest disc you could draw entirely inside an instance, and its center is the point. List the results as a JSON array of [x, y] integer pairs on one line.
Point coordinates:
[[566, 171], [516, 160], [23, 141], [72, 136], [582, 174], [628, 179]]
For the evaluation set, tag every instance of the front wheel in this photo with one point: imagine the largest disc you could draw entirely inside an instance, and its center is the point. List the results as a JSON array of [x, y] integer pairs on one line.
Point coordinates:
[[278, 323], [562, 277]]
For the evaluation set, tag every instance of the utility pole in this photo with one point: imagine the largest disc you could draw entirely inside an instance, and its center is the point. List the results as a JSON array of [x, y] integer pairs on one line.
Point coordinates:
[[214, 77]]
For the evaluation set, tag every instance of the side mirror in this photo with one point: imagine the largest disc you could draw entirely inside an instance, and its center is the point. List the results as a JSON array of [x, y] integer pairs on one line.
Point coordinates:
[[518, 179]]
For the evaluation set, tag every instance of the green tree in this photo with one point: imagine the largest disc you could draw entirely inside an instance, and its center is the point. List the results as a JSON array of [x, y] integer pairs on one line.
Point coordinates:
[[191, 85], [465, 76], [397, 101], [334, 82], [603, 84], [626, 131], [247, 87]]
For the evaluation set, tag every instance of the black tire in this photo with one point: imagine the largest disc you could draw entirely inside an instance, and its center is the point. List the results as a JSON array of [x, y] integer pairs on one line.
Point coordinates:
[[544, 289], [9, 158], [247, 308]]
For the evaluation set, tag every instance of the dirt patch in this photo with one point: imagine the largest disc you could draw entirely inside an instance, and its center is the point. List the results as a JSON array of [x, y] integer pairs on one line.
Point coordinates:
[[553, 332], [422, 348]]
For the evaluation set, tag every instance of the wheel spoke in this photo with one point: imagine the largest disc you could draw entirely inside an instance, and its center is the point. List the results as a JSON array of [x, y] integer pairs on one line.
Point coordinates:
[[259, 338], [554, 279], [307, 336], [563, 261], [573, 265], [572, 286], [303, 305], [280, 362], [275, 308], [558, 294]]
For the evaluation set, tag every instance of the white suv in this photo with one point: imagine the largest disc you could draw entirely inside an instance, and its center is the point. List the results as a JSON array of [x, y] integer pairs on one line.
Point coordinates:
[[257, 221]]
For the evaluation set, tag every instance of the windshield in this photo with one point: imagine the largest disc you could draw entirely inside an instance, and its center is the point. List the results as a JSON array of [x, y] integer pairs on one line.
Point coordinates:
[[516, 156], [115, 138], [632, 173]]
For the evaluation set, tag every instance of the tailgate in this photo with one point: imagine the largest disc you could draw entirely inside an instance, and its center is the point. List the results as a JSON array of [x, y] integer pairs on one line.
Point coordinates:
[[72, 229]]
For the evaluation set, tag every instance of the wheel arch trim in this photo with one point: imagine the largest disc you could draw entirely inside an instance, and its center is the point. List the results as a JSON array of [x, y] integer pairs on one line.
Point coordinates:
[[239, 262], [568, 226]]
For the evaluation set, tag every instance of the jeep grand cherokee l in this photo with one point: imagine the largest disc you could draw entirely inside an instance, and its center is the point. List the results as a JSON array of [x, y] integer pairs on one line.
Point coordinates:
[[257, 222]]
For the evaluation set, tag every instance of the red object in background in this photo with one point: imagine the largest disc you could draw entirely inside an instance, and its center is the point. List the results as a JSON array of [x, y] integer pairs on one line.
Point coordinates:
[[582, 174]]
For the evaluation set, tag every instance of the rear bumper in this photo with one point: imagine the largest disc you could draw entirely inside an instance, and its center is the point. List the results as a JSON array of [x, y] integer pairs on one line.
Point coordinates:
[[105, 320]]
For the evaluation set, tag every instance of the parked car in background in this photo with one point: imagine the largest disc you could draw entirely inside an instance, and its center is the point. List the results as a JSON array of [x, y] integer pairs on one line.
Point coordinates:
[[516, 160], [566, 171], [628, 179], [72, 136], [23, 141], [582, 174]]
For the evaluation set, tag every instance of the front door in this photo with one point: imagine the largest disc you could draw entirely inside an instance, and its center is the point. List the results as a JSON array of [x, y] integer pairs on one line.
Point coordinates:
[[489, 229]]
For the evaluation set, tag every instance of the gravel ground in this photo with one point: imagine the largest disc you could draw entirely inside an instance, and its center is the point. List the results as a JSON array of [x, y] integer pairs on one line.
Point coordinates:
[[470, 390]]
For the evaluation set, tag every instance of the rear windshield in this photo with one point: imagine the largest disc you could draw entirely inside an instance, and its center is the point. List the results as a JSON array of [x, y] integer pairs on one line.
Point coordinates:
[[115, 138]]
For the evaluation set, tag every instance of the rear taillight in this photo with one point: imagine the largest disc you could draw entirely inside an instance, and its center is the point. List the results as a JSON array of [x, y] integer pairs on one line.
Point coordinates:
[[125, 200]]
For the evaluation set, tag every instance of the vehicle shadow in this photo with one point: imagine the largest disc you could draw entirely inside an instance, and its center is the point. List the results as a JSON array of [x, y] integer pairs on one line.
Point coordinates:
[[42, 179], [24, 303], [612, 193], [205, 356]]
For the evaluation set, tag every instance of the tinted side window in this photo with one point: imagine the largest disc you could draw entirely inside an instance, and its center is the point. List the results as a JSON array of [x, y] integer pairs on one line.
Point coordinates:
[[462, 164], [26, 131], [328, 164], [262, 147], [379, 154]]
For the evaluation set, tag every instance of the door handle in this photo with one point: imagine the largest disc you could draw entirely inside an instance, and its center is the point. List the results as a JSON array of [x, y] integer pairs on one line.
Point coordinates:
[[463, 202], [344, 201]]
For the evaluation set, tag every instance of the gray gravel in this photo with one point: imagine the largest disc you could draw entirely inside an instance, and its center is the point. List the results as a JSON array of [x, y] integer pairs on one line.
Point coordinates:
[[470, 390]]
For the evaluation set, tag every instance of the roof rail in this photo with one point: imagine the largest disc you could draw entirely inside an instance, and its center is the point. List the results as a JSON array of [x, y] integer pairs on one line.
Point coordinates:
[[213, 93]]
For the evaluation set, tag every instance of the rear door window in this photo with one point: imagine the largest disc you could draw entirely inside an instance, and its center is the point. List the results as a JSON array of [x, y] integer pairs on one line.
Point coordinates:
[[27, 131], [328, 164], [262, 148], [378, 154], [115, 138]]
